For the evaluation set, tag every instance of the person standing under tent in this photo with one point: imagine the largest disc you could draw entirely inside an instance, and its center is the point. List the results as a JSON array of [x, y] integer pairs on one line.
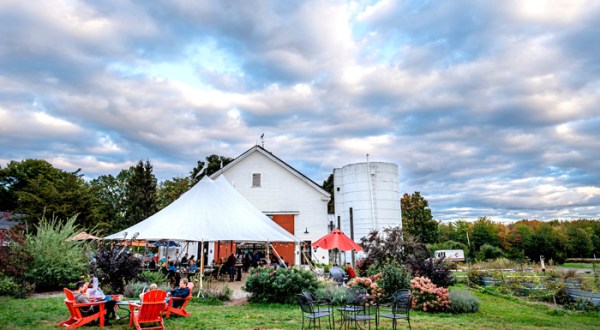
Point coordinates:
[[230, 263]]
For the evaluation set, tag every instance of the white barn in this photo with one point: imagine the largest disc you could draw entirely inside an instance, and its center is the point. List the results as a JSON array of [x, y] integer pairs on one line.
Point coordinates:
[[287, 196]]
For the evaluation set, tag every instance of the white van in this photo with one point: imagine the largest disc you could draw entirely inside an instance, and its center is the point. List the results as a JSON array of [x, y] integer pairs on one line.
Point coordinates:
[[450, 255]]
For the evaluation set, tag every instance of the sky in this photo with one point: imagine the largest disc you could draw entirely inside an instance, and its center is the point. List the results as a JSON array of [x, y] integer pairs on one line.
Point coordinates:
[[489, 108]]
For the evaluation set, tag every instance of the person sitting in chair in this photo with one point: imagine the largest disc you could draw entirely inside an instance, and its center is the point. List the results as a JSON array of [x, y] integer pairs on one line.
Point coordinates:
[[192, 268], [96, 293], [337, 274], [181, 292], [184, 260], [350, 271], [82, 298], [152, 287]]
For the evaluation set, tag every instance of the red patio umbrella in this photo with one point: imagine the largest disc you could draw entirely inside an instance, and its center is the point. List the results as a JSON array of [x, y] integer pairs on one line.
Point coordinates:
[[336, 240]]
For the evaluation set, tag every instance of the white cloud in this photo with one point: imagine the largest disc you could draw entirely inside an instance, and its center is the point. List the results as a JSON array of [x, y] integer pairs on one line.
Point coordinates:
[[489, 109]]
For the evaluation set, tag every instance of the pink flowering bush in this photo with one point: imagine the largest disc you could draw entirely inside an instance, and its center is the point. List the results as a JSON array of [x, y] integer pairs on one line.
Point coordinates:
[[427, 296], [369, 284]]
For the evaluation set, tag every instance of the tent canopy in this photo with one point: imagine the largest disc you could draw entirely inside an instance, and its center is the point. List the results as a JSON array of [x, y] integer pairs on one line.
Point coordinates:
[[209, 211]]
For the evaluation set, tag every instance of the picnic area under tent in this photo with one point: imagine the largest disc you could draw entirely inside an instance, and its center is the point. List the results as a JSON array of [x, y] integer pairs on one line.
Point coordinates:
[[209, 211]]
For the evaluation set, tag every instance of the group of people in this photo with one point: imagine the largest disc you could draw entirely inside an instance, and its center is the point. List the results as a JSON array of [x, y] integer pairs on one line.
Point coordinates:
[[173, 269], [252, 259], [339, 275], [89, 291], [180, 292]]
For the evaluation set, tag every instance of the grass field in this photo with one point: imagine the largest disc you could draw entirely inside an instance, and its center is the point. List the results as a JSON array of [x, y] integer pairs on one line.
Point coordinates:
[[495, 313]]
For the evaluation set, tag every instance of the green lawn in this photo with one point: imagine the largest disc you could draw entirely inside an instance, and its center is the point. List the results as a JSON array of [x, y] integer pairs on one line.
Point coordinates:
[[495, 313]]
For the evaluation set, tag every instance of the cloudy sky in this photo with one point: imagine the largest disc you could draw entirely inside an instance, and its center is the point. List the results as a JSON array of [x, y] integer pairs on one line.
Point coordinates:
[[490, 108]]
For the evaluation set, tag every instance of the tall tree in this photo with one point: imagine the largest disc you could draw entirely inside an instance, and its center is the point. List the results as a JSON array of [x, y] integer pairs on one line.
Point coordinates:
[[547, 242], [110, 193], [485, 232], [328, 186], [520, 238], [579, 242], [17, 176], [170, 190], [213, 164], [140, 194], [416, 218], [461, 233]]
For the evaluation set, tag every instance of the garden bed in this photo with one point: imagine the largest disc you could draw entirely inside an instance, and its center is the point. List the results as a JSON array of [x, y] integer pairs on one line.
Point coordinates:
[[578, 294]]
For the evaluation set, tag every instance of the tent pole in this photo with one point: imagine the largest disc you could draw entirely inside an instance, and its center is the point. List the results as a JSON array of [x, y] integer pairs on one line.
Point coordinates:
[[276, 254], [268, 256], [201, 267], [145, 251]]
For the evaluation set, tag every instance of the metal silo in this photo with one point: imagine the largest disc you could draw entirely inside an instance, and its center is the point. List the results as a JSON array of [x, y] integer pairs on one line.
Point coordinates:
[[367, 197]]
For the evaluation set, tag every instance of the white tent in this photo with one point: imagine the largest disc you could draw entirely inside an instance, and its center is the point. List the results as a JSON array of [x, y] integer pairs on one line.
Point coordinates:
[[209, 211]]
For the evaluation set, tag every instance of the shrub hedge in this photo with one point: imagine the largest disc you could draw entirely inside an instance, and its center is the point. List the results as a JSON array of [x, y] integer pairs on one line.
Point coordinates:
[[462, 301], [266, 284]]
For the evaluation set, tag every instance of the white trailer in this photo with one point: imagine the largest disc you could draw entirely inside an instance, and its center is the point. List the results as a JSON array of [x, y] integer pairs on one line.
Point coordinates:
[[450, 255]]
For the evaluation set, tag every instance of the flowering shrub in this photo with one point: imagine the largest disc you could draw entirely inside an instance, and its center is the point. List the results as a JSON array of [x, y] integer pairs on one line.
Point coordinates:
[[369, 284], [265, 284], [427, 296]]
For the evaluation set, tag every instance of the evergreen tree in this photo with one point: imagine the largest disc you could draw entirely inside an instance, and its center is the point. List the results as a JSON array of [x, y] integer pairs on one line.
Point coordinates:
[[416, 218], [213, 164], [140, 194], [328, 186]]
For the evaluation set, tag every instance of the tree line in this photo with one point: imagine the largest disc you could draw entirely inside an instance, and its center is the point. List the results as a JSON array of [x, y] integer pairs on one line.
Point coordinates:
[[33, 188], [485, 239]]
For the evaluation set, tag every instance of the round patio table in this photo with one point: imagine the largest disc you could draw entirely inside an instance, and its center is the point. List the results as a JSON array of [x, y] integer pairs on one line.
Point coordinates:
[[124, 305]]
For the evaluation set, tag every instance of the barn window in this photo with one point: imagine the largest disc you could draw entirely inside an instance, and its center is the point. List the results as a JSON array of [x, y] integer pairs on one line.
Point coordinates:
[[255, 179]]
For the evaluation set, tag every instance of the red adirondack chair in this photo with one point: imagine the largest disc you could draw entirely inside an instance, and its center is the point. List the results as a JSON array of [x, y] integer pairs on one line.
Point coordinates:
[[149, 311], [181, 309], [77, 318]]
